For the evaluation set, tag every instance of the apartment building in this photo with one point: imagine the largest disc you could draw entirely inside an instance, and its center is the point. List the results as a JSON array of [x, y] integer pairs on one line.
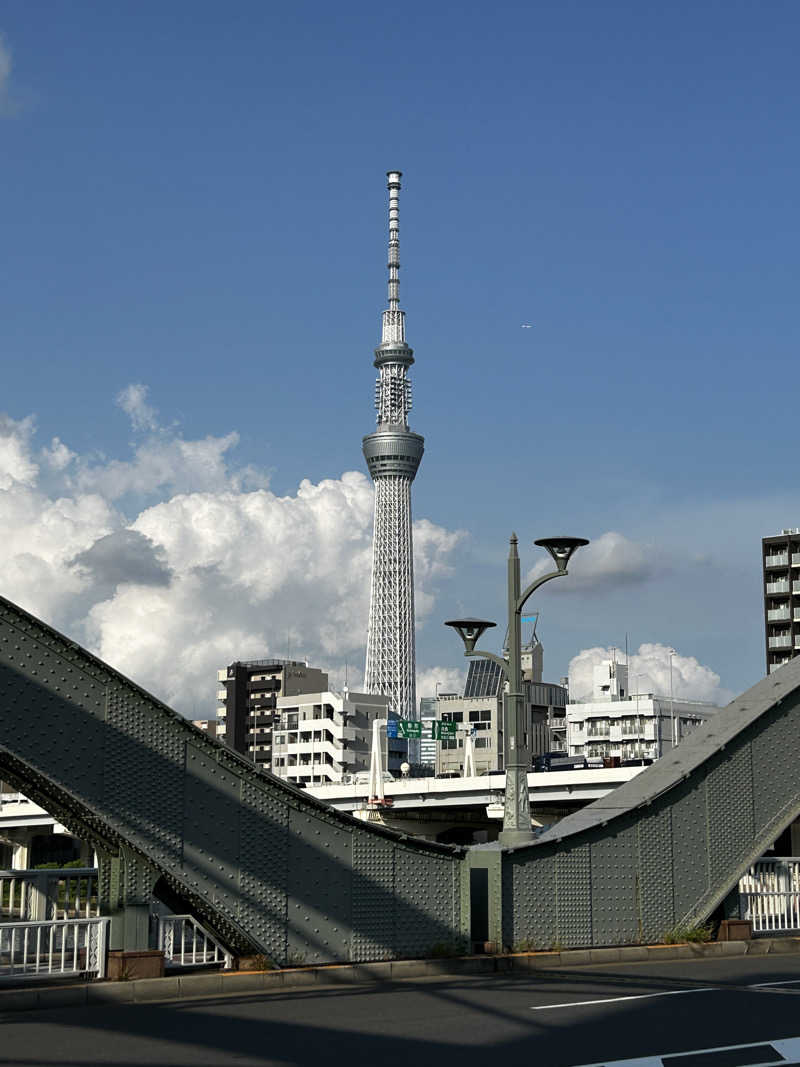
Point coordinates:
[[618, 723], [248, 694], [780, 557], [323, 738]]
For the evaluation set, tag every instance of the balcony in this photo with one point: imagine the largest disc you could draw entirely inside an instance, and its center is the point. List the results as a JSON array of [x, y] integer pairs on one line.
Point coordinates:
[[784, 641], [599, 733], [780, 560], [778, 663], [778, 615], [796, 587], [254, 719], [796, 559], [781, 586]]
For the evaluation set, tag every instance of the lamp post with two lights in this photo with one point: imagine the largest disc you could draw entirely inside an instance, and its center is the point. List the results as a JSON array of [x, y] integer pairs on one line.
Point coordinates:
[[516, 729]]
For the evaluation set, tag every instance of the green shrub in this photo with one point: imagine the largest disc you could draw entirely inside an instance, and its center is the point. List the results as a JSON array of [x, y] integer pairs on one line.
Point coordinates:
[[687, 932]]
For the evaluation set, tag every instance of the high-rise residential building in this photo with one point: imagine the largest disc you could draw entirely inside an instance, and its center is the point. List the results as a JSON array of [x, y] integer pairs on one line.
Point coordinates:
[[248, 696], [781, 577], [393, 454]]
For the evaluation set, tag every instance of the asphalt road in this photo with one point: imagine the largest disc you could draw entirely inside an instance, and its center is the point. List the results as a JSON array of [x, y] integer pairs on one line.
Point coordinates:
[[587, 1016]]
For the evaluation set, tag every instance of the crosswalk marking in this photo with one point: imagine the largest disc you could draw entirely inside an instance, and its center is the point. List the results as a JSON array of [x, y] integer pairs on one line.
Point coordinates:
[[787, 1051]]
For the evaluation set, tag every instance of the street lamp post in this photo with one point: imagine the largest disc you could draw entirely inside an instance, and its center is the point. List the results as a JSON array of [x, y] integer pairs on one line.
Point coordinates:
[[516, 744], [672, 654]]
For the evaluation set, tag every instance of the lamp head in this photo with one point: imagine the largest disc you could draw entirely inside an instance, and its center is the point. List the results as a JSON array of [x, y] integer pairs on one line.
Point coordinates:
[[470, 630], [561, 548]]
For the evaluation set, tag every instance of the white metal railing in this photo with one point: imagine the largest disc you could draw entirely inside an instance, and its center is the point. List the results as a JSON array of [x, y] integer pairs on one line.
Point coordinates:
[[778, 587], [185, 943], [65, 947], [779, 560], [782, 641], [67, 893], [777, 614], [770, 894]]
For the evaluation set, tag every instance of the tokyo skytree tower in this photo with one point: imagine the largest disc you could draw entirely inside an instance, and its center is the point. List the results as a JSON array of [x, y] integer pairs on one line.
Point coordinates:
[[393, 454]]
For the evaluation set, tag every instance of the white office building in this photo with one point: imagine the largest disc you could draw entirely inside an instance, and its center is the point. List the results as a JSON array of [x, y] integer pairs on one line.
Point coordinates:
[[323, 738], [618, 723]]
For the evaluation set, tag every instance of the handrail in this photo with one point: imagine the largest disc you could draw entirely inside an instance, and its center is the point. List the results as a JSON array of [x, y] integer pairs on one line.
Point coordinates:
[[53, 947]]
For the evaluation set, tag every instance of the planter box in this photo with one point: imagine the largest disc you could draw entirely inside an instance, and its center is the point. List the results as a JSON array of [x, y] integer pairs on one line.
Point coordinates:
[[124, 966], [735, 930]]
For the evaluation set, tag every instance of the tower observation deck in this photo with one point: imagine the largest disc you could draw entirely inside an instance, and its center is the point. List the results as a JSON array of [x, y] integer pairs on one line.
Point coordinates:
[[393, 454]]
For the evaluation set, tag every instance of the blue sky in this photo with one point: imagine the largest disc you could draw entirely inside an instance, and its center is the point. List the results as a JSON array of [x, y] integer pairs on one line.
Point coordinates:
[[194, 200]]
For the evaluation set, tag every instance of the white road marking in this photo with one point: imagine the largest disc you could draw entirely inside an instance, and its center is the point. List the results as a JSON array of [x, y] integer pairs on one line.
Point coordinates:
[[669, 993], [616, 1000], [788, 1048]]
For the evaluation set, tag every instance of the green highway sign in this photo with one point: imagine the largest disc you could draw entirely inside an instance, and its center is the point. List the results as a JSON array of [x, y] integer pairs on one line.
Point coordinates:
[[443, 731], [411, 729]]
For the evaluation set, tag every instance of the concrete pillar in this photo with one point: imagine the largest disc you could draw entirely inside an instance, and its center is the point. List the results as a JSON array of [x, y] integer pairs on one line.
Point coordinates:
[[21, 850]]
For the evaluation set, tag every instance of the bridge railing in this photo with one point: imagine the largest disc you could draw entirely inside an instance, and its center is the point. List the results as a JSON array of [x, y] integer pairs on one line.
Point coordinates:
[[47, 948], [38, 895], [770, 894], [185, 943]]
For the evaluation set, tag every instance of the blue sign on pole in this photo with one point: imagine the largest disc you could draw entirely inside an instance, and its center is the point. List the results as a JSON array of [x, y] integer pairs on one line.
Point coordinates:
[[391, 728]]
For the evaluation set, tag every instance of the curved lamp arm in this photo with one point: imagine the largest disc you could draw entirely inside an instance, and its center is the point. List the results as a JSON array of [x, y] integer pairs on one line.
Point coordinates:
[[503, 664], [535, 585]]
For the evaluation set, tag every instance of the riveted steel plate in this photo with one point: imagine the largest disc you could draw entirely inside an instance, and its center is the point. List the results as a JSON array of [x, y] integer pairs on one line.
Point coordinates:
[[319, 884]]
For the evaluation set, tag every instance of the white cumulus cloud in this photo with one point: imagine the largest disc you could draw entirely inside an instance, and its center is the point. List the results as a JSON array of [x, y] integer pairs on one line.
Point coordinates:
[[133, 401], [204, 564], [448, 680], [607, 561], [649, 672]]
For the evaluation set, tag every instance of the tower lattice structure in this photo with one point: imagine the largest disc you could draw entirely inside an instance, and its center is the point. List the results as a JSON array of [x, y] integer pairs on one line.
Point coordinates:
[[393, 454]]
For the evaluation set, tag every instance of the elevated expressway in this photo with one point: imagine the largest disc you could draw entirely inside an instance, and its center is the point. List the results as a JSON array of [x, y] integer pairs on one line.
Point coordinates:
[[449, 808]]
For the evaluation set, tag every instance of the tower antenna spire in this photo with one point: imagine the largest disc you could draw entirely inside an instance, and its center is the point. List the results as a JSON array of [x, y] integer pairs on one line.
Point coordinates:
[[394, 329]]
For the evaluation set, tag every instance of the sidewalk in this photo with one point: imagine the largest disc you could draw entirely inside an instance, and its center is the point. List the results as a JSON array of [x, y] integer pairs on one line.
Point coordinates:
[[222, 983]]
